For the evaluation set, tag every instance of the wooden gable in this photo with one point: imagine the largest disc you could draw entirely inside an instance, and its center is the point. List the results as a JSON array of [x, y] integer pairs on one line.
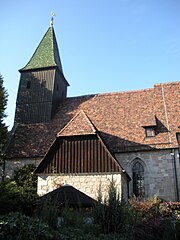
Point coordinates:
[[78, 148], [78, 154]]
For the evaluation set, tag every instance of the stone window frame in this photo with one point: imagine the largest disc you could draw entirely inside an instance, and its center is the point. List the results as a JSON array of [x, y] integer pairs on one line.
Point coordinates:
[[142, 162], [138, 179]]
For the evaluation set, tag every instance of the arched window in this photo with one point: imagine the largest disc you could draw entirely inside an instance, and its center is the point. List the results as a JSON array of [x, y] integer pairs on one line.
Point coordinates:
[[138, 179]]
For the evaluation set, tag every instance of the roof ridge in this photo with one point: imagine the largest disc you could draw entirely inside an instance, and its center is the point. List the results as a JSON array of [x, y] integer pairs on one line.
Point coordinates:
[[90, 122], [126, 92], [167, 83]]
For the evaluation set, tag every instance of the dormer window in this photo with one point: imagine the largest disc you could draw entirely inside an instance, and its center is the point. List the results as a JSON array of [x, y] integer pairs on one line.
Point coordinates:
[[150, 131]]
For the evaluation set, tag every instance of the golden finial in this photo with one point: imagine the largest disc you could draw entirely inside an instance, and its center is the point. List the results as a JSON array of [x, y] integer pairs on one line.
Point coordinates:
[[52, 19]]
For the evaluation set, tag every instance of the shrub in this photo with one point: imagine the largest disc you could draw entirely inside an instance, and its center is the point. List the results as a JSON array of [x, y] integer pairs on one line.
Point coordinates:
[[17, 194], [47, 211], [16, 226], [157, 228], [154, 207], [178, 229], [111, 214], [10, 197], [25, 177]]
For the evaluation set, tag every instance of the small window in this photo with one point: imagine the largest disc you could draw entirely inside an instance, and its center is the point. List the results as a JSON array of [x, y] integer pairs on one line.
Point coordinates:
[[28, 84], [150, 131]]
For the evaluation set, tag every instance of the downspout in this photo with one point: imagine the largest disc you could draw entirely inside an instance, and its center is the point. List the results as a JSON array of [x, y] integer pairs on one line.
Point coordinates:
[[175, 174], [165, 111]]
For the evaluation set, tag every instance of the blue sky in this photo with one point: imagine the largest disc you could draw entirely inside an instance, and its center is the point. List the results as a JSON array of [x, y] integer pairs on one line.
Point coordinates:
[[105, 45]]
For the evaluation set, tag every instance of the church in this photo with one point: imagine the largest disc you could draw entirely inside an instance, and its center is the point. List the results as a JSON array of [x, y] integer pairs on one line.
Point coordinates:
[[87, 141]]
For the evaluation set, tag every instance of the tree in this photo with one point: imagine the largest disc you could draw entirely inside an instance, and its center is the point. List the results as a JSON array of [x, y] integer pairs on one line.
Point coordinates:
[[18, 194], [3, 104]]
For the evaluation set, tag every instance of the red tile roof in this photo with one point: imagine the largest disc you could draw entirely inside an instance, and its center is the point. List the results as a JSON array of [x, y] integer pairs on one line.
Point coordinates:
[[119, 117], [78, 125]]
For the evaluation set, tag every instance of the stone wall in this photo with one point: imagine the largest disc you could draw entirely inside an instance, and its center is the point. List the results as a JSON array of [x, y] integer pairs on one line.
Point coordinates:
[[159, 167], [160, 176], [15, 164], [86, 183]]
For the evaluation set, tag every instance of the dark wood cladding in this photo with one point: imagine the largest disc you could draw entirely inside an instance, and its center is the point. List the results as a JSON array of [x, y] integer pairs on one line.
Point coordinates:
[[34, 103], [39, 93], [80, 154], [41, 86]]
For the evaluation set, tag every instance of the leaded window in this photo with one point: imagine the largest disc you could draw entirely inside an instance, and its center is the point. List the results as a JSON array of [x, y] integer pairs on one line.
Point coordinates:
[[138, 179]]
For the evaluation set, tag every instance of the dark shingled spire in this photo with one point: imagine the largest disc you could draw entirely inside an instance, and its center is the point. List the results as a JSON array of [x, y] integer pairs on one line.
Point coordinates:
[[46, 54], [42, 83]]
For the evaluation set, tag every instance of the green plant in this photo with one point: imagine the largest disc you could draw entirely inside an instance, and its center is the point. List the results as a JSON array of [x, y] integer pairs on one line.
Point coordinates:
[[10, 197], [178, 229], [47, 211], [157, 228], [25, 176], [3, 104], [110, 214], [16, 226], [17, 194]]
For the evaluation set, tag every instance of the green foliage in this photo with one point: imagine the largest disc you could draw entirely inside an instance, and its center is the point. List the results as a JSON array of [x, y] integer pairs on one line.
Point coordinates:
[[111, 214], [113, 219], [178, 229], [154, 207], [157, 228], [17, 194], [74, 233], [47, 211], [16, 226], [10, 197], [25, 177], [156, 219], [3, 103]]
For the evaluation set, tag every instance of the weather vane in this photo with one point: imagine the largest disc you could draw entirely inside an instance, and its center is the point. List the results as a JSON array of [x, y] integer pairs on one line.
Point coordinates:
[[52, 18]]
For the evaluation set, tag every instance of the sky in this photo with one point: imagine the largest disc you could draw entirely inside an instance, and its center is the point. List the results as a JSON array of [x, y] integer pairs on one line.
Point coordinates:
[[105, 45]]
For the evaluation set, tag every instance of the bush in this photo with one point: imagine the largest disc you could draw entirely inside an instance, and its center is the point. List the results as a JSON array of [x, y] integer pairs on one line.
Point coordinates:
[[155, 207], [47, 211], [16, 226], [25, 177], [157, 228], [178, 229], [10, 197], [111, 214], [17, 194]]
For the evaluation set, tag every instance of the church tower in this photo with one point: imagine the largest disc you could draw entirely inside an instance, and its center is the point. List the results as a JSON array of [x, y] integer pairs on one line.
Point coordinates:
[[42, 83]]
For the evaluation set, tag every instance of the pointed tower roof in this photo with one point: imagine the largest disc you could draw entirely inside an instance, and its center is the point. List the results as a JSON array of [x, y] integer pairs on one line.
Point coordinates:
[[80, 124], [46, 54]]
